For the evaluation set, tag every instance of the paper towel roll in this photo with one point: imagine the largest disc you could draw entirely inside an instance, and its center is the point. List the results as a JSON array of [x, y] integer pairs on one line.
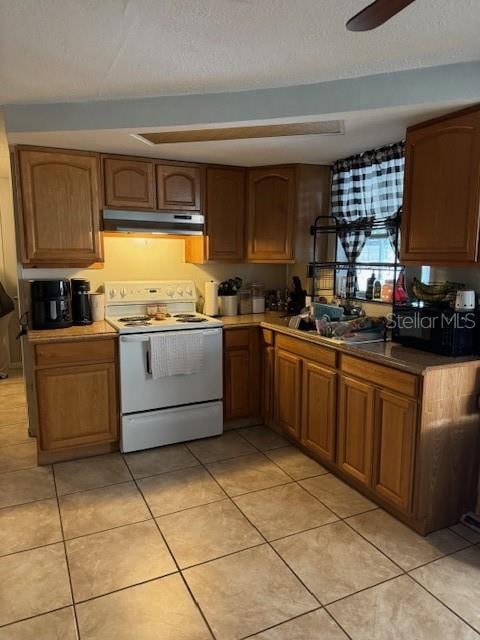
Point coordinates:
[[210, 307]]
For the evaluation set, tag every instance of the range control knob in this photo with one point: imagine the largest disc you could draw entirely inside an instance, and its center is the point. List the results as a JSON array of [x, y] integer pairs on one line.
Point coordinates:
[[112, 293], [169, 291], [123, 292], [180, 291], [188, 291]]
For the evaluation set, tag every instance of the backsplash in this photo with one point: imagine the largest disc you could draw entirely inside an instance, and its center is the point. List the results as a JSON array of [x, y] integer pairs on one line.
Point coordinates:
[[160, 259]]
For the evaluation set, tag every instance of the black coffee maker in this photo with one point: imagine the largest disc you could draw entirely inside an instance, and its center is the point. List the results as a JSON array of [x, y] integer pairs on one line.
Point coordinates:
[[80, 302], [51, 304]]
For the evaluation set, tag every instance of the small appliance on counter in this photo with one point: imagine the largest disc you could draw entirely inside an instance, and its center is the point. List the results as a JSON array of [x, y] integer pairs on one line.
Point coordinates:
[[465, 300], [437, 328], [81, 311], [51, 304], [297, 296]]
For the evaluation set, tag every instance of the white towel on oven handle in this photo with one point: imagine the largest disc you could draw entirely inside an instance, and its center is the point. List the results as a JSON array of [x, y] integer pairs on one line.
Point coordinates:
[[175, 353]]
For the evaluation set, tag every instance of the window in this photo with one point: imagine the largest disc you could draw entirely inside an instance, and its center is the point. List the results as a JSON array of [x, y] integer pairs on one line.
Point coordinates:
[[367, 188]]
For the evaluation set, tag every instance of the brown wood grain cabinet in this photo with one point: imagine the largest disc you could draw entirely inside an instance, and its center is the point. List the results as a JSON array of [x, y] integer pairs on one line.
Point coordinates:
[[58, 207], [129, 183], [179, 187], [355, 429], [241, 373], [319, 406], [400, 438], [224, 217], [268, 376], [77, 399], [394, 442], [440, 220], [271, 215], [288, 381]]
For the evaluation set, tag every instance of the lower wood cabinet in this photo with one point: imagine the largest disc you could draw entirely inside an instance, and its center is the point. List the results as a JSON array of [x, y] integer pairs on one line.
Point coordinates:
[[288, 381], [241, 373], [77, 404], [355, 429], [394, 442], [319, 403], [397, 437], [268, 372]]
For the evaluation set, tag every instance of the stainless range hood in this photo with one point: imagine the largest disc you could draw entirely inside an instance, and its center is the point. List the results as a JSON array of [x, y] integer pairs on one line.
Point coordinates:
[[165, 223]]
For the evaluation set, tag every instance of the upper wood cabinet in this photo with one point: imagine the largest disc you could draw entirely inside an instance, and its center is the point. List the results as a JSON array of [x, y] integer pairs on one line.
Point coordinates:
[[225, 219], [271, 215], [58, 207], [129, 183], [225, 213], [440, 222], [179, 187]]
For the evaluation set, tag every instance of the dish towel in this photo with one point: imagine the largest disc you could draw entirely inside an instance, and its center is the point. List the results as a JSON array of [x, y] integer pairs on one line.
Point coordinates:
[[176, 353]]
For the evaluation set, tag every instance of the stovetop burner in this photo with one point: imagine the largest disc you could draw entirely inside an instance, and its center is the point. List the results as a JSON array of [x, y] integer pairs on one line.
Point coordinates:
[[184, 315], [137, 323], [191, 319], [134, 319]]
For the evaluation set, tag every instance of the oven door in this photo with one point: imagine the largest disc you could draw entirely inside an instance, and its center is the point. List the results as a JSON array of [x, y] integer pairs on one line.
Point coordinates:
[[140, 392]]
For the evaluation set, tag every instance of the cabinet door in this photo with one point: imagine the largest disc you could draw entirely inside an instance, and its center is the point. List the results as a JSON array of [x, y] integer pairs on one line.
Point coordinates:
[[241, 373], [77, 406], [440, 220], [355, 429], [129, 183], [271, 215], [319, 389], [268, 369], [394, 448], [60, 207], [288, 381], [179, 188], [226, 215]]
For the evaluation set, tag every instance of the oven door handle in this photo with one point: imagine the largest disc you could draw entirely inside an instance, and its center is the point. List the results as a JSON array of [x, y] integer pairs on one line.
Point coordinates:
[[134, 339]]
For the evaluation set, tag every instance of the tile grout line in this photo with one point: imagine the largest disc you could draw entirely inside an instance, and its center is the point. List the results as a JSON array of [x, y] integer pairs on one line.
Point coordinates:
[[65, 552], [267, 543], [443, 603], [174, 559], [404, 572]]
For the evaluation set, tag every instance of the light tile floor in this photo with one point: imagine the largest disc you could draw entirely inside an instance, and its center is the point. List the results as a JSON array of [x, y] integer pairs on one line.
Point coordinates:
[[240, 536]]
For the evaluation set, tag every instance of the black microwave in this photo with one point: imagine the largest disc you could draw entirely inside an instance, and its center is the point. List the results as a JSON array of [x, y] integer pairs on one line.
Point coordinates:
[[438, 329]]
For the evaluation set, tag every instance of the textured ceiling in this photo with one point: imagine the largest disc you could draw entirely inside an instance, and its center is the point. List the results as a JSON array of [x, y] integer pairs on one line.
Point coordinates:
[[62, 50]]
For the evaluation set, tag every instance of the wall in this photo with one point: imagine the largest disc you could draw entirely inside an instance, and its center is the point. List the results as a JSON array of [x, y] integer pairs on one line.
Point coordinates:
[[8, 255], [160, 259]]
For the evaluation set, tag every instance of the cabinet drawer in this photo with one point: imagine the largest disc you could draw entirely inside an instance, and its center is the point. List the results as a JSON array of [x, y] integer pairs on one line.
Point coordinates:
[[78, 352], [314, 352], [237, 338], [386, 377]]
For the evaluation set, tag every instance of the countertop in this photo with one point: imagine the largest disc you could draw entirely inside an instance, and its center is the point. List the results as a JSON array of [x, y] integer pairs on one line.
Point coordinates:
[[387, 353], [91, 331]]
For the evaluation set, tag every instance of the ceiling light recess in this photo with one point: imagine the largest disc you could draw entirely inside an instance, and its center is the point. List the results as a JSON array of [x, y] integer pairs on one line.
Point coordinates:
[[325, 127]]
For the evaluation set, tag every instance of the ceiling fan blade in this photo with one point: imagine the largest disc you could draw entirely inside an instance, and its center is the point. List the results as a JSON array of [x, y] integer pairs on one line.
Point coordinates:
[[376, 14]]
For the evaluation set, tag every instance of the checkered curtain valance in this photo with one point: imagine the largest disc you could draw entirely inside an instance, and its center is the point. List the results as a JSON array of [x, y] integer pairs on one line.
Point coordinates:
[[366, 187]]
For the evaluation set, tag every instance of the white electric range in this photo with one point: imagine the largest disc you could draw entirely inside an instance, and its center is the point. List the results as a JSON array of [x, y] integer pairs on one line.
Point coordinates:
[[170, 409]]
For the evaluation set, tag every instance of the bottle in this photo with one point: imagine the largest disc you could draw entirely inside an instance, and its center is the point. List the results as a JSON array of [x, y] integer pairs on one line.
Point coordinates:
[[370, 287], [377, 290]]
